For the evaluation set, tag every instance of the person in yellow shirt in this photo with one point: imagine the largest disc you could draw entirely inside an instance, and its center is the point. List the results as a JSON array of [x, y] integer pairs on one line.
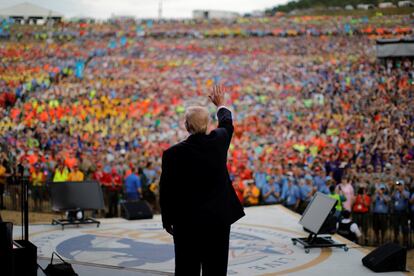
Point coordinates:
[[37, 181], [251, 194], [61, 173], [76, 175], [2, 182]]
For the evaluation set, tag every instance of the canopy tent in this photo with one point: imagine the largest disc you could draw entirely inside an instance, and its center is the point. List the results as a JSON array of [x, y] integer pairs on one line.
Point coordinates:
[[28, 10], [393, 48]]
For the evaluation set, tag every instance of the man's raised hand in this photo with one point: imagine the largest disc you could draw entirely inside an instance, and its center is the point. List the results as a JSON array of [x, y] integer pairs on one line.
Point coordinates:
[[217, 95]]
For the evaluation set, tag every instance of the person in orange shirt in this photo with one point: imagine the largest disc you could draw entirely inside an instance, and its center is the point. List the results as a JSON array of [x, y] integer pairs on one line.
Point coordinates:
[[251, 194], [3, 176], [76, 175], [37, 187]]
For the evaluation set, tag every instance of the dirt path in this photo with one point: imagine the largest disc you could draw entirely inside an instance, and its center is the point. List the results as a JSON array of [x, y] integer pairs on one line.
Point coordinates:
[[34, 218]]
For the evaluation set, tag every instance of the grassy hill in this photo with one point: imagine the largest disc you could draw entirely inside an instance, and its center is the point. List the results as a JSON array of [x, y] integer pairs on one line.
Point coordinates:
[[321, 6]]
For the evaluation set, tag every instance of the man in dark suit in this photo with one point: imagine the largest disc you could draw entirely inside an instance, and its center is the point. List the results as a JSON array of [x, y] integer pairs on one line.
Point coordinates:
[[198, 202]]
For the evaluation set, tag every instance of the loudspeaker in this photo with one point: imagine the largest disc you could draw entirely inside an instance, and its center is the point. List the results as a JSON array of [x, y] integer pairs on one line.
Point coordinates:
[[136, 210], [388, 257], [6, 248], [24, 258]]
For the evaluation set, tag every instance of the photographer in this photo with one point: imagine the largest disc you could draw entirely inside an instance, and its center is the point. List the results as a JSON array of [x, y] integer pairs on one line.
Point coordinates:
[[360, 210], [400, 198], [307, 190], [271, 191], [381, 202], [346, 189], [291, 195]]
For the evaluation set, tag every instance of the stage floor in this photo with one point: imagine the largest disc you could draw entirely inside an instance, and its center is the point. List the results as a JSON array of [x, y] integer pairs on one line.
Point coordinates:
[[260, 245]]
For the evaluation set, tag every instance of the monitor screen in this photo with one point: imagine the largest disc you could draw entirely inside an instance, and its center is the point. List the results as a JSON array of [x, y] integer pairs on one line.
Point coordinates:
[[85, 195], [317, 212]]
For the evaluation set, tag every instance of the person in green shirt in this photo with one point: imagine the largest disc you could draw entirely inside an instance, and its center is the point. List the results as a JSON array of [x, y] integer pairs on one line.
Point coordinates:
[[340, 198], [61, 173]]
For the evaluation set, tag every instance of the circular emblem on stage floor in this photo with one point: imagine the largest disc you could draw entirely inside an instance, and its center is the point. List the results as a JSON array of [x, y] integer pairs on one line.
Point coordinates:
[[254, 250]]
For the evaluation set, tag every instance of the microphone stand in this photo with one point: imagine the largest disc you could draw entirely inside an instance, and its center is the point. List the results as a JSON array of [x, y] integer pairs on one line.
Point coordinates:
[[24, 181], [26, 208]]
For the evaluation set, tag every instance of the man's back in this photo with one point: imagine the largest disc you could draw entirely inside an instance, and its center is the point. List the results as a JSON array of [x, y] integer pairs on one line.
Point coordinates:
[[195, 185], [198, 202]]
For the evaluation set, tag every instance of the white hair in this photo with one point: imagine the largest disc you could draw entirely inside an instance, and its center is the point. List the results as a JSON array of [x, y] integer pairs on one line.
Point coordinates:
[[196, 119]]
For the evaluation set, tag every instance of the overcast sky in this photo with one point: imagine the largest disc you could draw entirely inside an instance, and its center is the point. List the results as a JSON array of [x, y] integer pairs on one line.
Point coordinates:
[[144, 8]]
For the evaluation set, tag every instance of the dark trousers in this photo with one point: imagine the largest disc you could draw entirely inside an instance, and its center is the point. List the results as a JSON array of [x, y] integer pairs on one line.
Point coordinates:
[[302, 206], [203, 248], [400, 223], [361, 219], [113, 197], [380, 225], [1, 196], [37, 196]]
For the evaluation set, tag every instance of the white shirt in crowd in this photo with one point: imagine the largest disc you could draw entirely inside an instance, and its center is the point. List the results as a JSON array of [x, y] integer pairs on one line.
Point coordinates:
[[354, 227]]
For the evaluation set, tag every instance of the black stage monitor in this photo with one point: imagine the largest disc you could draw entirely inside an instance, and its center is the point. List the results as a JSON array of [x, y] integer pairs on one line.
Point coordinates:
[[85, 195], [313, 219], [317, 212], [386, 258]]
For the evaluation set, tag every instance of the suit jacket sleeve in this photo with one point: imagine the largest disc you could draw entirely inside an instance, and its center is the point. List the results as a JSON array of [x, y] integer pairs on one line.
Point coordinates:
[[166, 192], [225, 125]]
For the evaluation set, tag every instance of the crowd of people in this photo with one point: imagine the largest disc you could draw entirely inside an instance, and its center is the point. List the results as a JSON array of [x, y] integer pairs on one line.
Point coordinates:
[[314, 110]]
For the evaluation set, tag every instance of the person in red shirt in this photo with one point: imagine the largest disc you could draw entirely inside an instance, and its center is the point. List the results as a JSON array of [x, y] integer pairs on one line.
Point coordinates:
[[113, 191], [239, 188], [360, 210], [106, 183], [98, 174], [104, 179]]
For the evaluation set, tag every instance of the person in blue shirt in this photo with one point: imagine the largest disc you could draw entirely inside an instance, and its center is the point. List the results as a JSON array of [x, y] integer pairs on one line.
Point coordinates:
[[283, 181], [412, 210], [291, 195], [150, 173], [400, 198], [260, 178], [323, 184], [307, 190], [132, 187], [319, 181], [308, 179], [380, 209], [271, 191], [324, 189]]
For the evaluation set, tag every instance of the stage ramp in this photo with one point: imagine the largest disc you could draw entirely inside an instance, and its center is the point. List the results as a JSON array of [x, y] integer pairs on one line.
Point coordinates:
[[260, 245]]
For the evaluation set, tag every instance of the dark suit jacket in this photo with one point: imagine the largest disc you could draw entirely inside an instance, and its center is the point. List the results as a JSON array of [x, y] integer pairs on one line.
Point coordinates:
[[195, 186]]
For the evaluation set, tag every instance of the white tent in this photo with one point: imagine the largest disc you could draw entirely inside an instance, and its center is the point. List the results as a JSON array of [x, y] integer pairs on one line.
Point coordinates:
[[28, 10], [393, 48]]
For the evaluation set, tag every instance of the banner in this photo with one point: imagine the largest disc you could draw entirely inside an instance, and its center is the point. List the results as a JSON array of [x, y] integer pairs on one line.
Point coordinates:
[[80, 66]]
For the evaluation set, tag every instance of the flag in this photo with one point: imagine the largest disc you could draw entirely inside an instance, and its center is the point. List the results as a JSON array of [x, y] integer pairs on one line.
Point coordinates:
[[80, 66], [112, 44], [123, 40]]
